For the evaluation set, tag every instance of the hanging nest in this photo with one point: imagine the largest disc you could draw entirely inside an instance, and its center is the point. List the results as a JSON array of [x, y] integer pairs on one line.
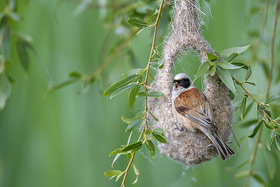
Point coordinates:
[[185, 146]]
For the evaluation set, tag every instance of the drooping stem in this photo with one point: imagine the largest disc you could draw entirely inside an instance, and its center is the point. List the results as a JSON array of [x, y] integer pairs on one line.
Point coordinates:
[[146, 90], [253, 157]]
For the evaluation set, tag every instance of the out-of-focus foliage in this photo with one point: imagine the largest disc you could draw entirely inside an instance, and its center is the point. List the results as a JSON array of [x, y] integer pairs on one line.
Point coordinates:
[[55, 137]]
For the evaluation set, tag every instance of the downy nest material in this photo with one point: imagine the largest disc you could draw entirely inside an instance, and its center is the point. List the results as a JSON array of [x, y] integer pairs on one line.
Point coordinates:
[[187, 147]]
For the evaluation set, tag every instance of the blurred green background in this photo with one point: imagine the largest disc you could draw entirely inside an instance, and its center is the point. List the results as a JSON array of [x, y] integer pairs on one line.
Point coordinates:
[[63, 139]]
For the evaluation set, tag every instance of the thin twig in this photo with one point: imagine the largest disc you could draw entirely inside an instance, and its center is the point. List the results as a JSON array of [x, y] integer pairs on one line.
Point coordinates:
[[253, 157], [146, 88]]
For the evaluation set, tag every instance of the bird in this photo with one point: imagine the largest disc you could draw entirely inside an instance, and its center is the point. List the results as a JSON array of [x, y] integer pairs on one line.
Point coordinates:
[[192, 110]]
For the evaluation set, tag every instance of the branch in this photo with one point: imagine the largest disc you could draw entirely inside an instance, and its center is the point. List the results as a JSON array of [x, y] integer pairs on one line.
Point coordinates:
[[146, 89], [253, 158]]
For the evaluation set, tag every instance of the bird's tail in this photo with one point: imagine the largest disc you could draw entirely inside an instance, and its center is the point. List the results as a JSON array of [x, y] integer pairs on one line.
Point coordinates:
[[224, 150]]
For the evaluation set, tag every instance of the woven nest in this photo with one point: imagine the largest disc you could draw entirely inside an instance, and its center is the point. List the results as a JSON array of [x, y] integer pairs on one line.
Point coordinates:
[[187, 147]]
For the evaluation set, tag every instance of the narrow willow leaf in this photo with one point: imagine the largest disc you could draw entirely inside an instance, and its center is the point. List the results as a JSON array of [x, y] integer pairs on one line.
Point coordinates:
[[211, 57], [248, 108], [270, 140], [139, 115], [115, 159], [149, 144], [249, 73], [150, 94], [225, 76], [237, 50], [134, 125], [120, 84], [133, 146], [277, 141], [203, 68], [158, 130], [136, 171], [135, 181], [122, 89], [272, 98], [154, 117], [116, 151], [241, 174], [6, 44], [227, 65], [212, 70], [137, 22], [245, 124], [258, 178], [256, 129], [159, 137], [5, 89], [232, 57], [75, 75], [268, 126], [111, 173], [243, 106], [251, 83], [152, 17]]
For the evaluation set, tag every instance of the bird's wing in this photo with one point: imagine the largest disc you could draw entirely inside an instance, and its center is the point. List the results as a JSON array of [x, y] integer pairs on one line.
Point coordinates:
[[193, 105]]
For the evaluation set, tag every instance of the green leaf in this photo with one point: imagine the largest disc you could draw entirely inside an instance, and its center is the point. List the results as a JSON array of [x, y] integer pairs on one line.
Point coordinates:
[[137, 22], [5, 89], [120, 84], [258, 178], [225, 76], [277, 141], [150, 94], [158, 130], [23, 55], [256, 129], [133, 125], [6, 44], [232, 57], [248, 123], [152, 17], [122, 89], [134, 146], [211, 57], [132, 96], [248, 108], [237, 50], [139, 115], [203, 68], [159, 136], [116, 151], [149, 144], [270, 140], [154, 117], [243, 106], [249, 73], [272, 98], [251, 83], [136, 171], [268, 126], [212, 70], [75, 75], [227, 65], [111, 173], [241, 174]]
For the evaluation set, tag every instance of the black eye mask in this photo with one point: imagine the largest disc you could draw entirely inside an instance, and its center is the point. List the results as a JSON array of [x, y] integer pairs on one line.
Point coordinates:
[[185, 83]]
